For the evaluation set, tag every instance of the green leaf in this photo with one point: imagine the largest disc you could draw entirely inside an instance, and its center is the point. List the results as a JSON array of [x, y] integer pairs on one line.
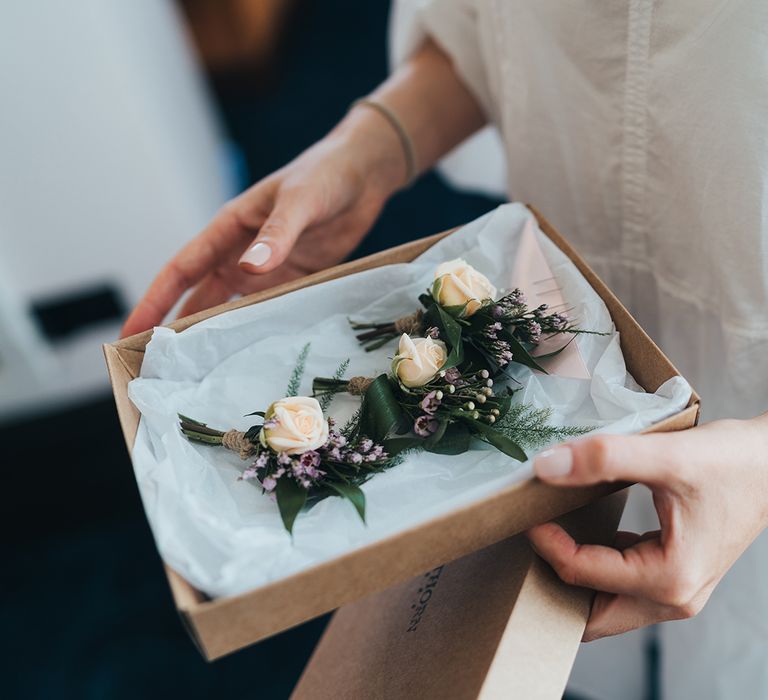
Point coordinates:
[[380, 410], [253, 433], [187, 419], [555, 353], [435, 437], [354, 494], [454, 441], [521, 355], [452, 330], [495, 438], [256, 413], [450, 325], [475, 358], [290, 500]]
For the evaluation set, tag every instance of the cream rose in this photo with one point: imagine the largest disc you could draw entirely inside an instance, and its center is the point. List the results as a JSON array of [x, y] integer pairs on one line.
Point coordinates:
[[457, 283], [296, 425], [418, 360]]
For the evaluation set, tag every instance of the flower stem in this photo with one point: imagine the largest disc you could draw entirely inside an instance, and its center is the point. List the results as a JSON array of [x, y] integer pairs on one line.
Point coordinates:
[[200, 432]]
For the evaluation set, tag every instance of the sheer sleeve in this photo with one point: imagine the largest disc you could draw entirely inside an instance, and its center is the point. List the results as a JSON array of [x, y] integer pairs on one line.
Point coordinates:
[[455, 25]]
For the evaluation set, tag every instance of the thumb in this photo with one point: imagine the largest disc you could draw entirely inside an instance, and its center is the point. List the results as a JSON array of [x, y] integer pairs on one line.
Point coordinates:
[[287, 221], [646, 459]]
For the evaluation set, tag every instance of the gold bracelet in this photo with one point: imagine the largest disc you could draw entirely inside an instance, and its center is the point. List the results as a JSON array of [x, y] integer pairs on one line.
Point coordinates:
[[402, 134]]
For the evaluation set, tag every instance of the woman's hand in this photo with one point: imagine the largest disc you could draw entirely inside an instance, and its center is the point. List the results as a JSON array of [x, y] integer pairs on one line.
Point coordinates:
[[313, 212], [305, 217], [710, 489]]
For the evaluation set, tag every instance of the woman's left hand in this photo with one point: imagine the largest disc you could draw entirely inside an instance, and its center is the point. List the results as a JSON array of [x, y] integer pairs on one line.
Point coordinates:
[[710, 490]]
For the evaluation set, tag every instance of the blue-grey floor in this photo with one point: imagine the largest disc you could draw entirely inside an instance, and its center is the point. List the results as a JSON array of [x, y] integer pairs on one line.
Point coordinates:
[[85, 608]]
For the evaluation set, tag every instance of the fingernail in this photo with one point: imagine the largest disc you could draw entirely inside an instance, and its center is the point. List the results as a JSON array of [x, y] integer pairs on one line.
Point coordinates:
[[256, 255], [554, 463]]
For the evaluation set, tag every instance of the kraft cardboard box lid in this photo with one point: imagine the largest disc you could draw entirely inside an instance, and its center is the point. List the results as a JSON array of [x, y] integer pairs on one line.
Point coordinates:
[[223, 625]]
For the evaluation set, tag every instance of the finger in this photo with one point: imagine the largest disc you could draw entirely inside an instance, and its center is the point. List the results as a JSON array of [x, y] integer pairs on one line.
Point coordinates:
[[615, 614], [213, 290], [633, 571], [623, 540], [230, 230], [293, 212], [648, 459], [218, 288], [194, 261]]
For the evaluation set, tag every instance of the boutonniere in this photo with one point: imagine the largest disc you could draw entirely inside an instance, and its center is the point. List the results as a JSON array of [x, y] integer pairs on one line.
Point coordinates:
[[427, 402], [480, 327], [296, 454]]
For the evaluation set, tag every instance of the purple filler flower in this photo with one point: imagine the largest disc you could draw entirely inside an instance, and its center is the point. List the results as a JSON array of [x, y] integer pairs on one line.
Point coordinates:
[[452, 375], [376, 453], [309, 459], [249, 473], [430, 403], [314, 472], [491, 330], [269, 484], [425, 426]]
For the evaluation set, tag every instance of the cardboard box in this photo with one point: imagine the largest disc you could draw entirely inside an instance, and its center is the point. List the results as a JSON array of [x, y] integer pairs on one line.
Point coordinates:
[[223, 625]]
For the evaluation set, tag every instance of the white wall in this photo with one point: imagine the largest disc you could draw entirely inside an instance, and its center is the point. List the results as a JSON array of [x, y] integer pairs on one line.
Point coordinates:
[[110, 158]]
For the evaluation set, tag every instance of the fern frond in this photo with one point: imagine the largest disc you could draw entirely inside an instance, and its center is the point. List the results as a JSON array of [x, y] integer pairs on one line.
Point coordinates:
[[338, 375], [294, 384], [530, 427]]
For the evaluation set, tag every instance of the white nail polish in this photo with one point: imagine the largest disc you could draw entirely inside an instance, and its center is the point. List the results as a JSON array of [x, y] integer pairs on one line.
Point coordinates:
[[257, 255]]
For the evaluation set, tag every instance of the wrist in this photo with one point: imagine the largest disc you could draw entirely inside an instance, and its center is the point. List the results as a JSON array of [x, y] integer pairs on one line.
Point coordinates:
[[375, 150]]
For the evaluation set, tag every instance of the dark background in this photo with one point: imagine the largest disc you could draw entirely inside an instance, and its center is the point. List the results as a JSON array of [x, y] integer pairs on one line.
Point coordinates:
[[86, 610]]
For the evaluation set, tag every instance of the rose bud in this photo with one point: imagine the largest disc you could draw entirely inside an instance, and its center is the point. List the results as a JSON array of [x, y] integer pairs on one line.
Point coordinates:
[[296, 425], [418, 360], [457, 283]]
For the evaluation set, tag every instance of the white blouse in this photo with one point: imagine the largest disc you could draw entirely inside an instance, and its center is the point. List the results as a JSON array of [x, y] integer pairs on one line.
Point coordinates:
[[640, 129]]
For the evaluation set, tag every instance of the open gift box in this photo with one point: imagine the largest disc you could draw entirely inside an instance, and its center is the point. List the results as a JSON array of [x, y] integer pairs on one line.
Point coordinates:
[[222, 625]]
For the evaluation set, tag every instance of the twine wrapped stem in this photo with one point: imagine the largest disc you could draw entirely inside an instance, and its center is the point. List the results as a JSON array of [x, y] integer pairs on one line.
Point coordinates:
[[236, 441]]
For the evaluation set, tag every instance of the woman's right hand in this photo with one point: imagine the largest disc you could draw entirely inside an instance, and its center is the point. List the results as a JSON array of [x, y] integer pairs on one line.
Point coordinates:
[[313, 212], [305, 217]]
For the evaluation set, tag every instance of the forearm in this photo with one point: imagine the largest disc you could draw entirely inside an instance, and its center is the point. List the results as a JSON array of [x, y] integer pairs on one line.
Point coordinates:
[[434, 106]]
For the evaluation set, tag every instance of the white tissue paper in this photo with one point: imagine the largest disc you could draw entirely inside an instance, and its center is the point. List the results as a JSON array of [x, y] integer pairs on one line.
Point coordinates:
[[223, 535]]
